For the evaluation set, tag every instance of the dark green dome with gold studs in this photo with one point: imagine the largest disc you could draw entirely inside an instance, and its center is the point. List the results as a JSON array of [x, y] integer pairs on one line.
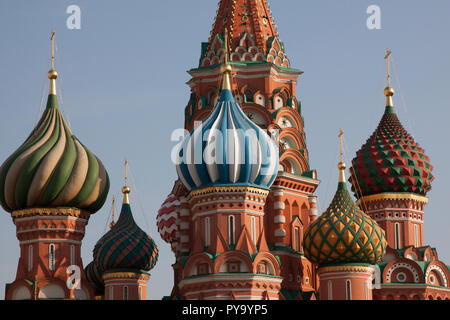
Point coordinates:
[[343, 233]]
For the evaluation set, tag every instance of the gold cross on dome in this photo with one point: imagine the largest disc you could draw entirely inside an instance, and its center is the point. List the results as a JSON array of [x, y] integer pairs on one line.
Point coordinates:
[[341, 134], [53, 48], [126, 172], [387, 57]]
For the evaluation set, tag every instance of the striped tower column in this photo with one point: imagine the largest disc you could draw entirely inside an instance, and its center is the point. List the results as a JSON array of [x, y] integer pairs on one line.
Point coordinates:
[[312, 208], [184, 226], [279, 218]]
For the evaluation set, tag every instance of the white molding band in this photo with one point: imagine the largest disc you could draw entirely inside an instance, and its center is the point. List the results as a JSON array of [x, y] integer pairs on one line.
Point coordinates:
[[50, 241], [279, 205], [280, 233], [279, 219]]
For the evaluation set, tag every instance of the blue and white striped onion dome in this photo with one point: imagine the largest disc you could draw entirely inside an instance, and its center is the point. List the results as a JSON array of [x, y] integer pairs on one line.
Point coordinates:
[[227, 149]]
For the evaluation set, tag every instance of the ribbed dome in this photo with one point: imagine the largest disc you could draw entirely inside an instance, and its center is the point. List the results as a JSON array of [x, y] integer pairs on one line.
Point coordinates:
[[390, 161], [344, 234], [220, 153], [166, 221], [94, 277], [125, 246], [53, 169]]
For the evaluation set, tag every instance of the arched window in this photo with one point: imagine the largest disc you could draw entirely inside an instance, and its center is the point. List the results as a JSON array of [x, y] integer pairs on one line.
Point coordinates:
[[367, 289], [330, 290], [207, 232], [248, 96], [51, 256], [397, 236], [125, 293], [111, 293], [348, 287], [30, 257], [231, 230], [72, 254], [297, 239], [253, 229], [416, 235]]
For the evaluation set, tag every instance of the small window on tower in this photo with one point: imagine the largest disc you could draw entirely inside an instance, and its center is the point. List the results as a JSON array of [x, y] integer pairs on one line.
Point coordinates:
[[202, 268], [248, 96], [72, 254], [125, 293], [51, 256], [30, 258], [231, 230], [262, 268], [234, 266]]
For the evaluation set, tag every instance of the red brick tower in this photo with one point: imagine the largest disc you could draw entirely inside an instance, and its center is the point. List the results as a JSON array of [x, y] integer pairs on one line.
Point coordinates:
[[264, 85]]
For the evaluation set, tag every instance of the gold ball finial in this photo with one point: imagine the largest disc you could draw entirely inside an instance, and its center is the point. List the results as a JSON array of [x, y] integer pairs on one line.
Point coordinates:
[[389, 92], [341, 166], [126, 190], [52, 74], [226, 68]]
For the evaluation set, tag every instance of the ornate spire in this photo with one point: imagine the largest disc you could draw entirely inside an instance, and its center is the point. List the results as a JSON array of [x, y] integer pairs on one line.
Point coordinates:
[[52, 74], [252, 33], [126, 190], [241, 16], [389, 91], [341, 165]]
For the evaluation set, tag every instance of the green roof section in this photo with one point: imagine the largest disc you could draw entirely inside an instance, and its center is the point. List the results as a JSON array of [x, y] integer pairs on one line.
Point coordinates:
[[344, 234]]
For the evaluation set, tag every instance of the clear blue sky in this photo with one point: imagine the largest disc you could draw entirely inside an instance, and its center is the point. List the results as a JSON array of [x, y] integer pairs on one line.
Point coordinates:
[[123, 86]]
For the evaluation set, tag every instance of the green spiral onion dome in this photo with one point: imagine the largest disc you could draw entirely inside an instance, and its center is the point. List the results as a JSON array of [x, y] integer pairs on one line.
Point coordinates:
[[95, 278], [53, 169], [125, 246], [344, 234], [391, 160]]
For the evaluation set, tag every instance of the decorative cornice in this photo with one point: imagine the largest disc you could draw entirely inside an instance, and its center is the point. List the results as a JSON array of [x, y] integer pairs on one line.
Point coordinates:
[[346, 268], [227, 189], [74, 212], [296, 178], [393, 196], [126, 275]]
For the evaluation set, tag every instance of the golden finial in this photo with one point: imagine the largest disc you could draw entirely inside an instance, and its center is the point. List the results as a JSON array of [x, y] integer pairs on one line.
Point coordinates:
[[52, 74], [341, 165], [389, 91], [226, 68], [126, 190], [112, 224]]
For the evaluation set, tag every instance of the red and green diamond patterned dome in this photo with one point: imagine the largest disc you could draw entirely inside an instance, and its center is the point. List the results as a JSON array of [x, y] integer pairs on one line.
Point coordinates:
[[391, 160], [125, 246]]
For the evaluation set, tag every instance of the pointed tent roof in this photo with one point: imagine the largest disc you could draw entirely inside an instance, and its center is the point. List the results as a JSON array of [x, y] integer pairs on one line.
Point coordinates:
[[252, 33]]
